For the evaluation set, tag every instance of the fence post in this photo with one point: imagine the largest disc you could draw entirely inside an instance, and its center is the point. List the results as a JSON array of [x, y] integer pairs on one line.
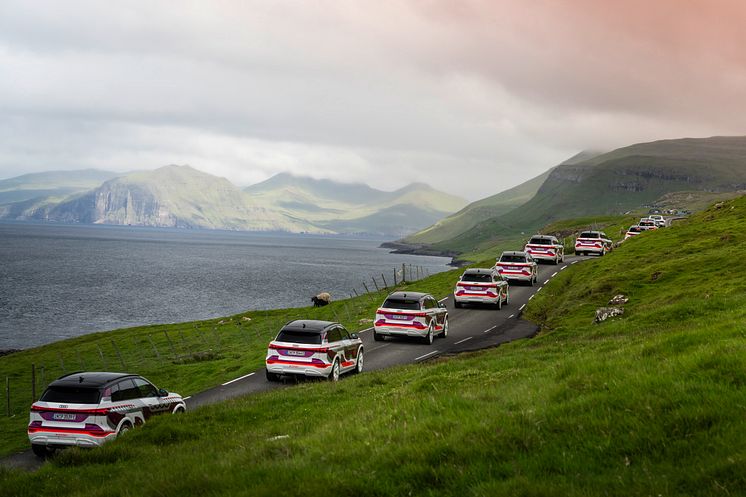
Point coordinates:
[[385, 285], [376, 284], [33, 383], [404, 272], [43, 375], [366, 287], [7, 396], [80, 360], [62, 363], [395, 277], [170, 343], [155, 349], [119, 354], [356, 295], [101, 355]]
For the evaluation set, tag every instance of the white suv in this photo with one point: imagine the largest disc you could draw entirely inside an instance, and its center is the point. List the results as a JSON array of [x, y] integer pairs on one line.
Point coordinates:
[[593, 242], [481, 286], [412, 314], [308, 347], [545, 247], [87, 409]]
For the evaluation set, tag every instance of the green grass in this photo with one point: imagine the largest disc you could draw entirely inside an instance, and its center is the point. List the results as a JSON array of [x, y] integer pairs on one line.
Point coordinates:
[[190, 357], [650, 403]]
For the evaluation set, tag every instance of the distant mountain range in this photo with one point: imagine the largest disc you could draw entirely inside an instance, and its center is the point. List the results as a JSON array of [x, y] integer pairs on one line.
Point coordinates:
[[592, 184], [180, 196]]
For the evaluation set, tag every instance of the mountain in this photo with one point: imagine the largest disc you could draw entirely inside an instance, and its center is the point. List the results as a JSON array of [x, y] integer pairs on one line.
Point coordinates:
[[615, 182], [57, 184], [487, 208], [183, 197], [355, 207]]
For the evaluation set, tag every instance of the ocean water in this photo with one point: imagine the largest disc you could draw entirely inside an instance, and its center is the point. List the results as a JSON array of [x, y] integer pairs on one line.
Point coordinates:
[[60, 281]]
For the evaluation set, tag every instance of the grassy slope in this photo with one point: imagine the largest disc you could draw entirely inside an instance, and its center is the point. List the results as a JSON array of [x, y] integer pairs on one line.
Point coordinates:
[[648, 404], [204, 353]]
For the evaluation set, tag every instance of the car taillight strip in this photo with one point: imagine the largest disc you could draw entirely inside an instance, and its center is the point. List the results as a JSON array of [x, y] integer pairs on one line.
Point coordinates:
[[92, 432], [304, 349]]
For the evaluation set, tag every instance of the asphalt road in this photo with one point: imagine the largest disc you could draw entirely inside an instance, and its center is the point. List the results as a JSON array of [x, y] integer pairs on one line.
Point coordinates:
[[470, 328]]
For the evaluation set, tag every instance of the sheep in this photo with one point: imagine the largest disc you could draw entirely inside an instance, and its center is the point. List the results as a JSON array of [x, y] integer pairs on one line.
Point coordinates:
[[321, 299]]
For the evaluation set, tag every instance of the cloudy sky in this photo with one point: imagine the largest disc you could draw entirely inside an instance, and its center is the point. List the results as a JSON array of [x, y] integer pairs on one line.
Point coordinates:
[[469, 96]]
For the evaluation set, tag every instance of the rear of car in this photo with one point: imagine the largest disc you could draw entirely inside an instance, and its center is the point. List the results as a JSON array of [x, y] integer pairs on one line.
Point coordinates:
[[315, 349], [658, 219], [633, 231], [647, 224], [410, 314], [545, 248], [592, 242], [87, 409], [481, 286], [517, 266]]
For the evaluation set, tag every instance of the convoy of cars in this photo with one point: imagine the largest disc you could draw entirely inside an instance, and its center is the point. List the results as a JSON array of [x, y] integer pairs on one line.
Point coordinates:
[[87, 409]]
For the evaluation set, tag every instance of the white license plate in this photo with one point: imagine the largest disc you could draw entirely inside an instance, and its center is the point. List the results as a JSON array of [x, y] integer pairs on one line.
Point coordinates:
[[400, 317], [475, 288], [61, 416], [296, 352]]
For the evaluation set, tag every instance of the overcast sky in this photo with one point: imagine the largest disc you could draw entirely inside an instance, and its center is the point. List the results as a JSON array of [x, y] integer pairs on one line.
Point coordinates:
[[470, 97]]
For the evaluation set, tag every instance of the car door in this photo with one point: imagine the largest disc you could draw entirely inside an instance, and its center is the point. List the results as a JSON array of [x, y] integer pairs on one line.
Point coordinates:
[[336, 344], [348, 355], [148, 395]]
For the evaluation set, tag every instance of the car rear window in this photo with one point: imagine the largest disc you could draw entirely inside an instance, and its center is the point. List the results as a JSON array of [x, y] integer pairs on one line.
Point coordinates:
[[299, 337], [72, 395], [588, 234], [476, 277], [512, 258], [404, 304], [540, 241]]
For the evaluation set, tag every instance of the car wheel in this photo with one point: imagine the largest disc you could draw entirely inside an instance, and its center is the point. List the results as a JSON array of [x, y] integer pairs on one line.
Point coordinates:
[[334, 375], [272, 376], [499, 304], [359, 363], [444, 333], [377, 336], [124, 429], [507, 296], [178, 410], [458, 305], [42, 451], [429, 336]]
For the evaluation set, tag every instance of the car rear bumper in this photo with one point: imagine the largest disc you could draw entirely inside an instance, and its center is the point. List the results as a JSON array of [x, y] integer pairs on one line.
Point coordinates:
[[298, 369], [517, 276], [595, 250], [397, 331], [476, 299], [69, 439], [544, 257]]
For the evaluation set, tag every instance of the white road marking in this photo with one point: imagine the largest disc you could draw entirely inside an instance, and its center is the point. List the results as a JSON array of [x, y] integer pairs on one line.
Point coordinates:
[[379, 347], [563, 268], [530, 297], [426, 355], [554, 274], [487, 331], [539, 289], [511, 316], [187, 398], [521, 307], [366, 329], [443, 299], [547, 281], [574, 262], [462, 341], [237, 379]]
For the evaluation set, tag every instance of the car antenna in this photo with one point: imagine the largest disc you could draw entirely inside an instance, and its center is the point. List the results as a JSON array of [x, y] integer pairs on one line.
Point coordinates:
[[304, 325], [80, 379]]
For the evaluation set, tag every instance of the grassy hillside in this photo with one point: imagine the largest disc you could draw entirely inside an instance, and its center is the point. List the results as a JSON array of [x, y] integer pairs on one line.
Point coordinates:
[[650, 403], [57, 184], [616, 182]]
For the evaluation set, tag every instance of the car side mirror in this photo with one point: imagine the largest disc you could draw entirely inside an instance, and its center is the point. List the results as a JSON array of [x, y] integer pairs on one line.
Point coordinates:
[[441, 305], [354, 336], [162, 392]]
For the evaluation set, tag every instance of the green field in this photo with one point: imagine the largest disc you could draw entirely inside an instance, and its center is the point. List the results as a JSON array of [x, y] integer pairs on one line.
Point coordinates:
[[650, 403]]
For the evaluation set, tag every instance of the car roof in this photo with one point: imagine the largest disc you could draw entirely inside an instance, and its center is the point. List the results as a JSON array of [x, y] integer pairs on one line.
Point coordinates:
[[408, 295], [479, 270], [514, 252], [547, 237], [310, 326], [89, 379]]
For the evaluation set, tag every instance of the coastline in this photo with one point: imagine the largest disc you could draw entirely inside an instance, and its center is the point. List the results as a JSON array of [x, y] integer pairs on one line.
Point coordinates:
[[406, 249]]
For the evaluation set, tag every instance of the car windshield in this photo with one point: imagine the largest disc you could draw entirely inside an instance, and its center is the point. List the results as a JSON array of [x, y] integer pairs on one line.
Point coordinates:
[[540, 241], [476, 277], [588, 234], [404, 304], [292, 336], [634, 229], [72, 395], [512, 258]]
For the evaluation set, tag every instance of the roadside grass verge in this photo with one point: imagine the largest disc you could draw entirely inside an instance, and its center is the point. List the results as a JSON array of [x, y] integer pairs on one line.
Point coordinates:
[[651, 403], [182, 357]]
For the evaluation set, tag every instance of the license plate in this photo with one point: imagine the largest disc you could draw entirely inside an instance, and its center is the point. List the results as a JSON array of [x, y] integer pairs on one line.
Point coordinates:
[[400, 317], [296, 352], [514, 268], [475, 288], [61, 416]]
